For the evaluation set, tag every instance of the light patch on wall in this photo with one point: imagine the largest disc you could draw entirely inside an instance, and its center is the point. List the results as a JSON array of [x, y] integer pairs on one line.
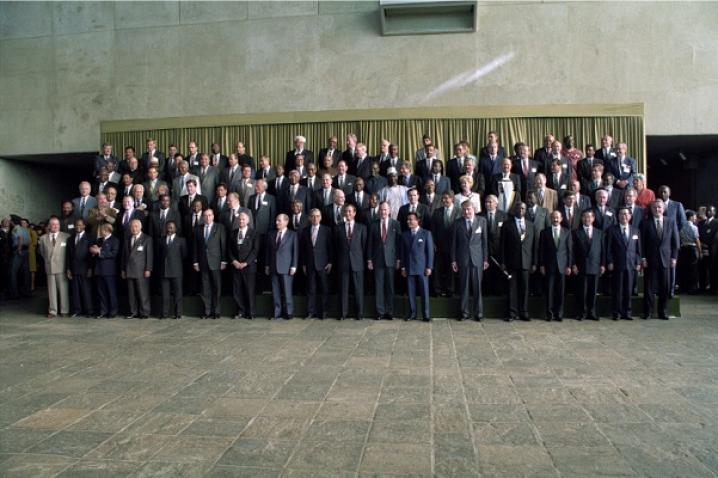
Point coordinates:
[[468, 77]]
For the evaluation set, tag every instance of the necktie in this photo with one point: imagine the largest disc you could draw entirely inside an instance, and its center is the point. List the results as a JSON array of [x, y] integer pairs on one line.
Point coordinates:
[[326, 196], [412, 208], [589, 234], [240, 236], [383, 231], [341, 181], [132, 242], [659, 229], [358, 197], [338, 215], [311, 183], [314, 235], [231, 174], [296, 221], [82, 206], [447, 217], [522, 229], [526, 169], [491, 220], [568, 216], [77, 238], [206, 233], [126, 218], [196, 219], [436, 179], [625, 232], [541, 196], [294, 192], [556, 236], [279, 238], [169, 241], [54, 241], [468, 226], [349, 232]]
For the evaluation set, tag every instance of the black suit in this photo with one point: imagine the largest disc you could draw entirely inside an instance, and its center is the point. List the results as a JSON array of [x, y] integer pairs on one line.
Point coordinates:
[[542, 156], [336, 156], [285, 199], [79, 263], [589, 257], [518, 255], [623, 255], [264, 212], [315, 257], [350, 265], [362, 205], [101, 162], [210, 255], [383, 254], [185, 207], [470, 250], [290, 163], [244, 250], [157, 225], [494, 282], [583, 172], [145, 161], [659, 251], [423, 213], [527, 180], [171, 258], [442, 229], [282, 255], [604, 220], [361, 168], [276, 190], [555, 260]]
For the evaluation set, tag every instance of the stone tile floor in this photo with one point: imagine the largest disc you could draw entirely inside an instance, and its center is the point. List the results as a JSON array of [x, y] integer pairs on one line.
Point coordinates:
[[311, 399]]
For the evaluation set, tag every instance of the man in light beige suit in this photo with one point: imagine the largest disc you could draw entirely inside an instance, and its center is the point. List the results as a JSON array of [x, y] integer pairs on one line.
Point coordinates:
[[546, 197], [53, 247]]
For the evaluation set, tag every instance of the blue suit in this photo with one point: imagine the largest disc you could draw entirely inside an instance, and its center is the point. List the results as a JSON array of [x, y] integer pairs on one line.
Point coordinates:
[[105, 272], [417, 255], [658, 252], [625, 169], [624, 254], [280, 258]]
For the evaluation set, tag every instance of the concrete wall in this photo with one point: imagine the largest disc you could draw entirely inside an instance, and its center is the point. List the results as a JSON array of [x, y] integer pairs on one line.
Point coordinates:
[[66, 66]]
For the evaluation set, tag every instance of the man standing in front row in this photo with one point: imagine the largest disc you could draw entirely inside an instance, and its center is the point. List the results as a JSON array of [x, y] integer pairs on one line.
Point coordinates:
[[383, 259], [210, 259], [106, 249], [282, 259], [79, 269], [53, 248], [137, 260], [417, 262], [519, 239], [243, 250], [623, 260], [588, 263], [350, 239], [660, 254], [172, 254], [470, 258], [555, 264], [317, 243]]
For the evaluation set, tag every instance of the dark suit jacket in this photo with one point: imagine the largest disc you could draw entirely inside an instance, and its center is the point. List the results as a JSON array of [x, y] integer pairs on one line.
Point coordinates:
[[317, 256], [215, 206], [583, 172], [516, 254], [184, 209], [211, 253], [542, 156], [348, 183], [527, 182], [317, 185], [562, 181], [78, 258], [362, 170], [350, 254], [659, 251], [247, 251], [374, 184], [386, 164], [484, 151], [496, 179], [413, 181], [121, 230], [156, 228], [243, 159], [284, 200], [554, 259], [336, 156], [623, 253], [384, 253], [441, 231], [283, 256], [319, 197], [138, 259], [100, 162], [422, 211], [145, 161], [470, 248], [96, 187], [171, 258], [494, 233], [637, 217], [539, 219], [589, 256], [575, 218], [106, 261], [229, 220], [605, 220], [269, 175], [290, 163], [488, 168], [276, 191], [303, 222], [361, 206], [266, 214], [417, 252]]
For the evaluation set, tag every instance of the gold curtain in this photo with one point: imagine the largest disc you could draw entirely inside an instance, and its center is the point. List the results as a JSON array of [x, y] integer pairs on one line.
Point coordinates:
[[276, 139]]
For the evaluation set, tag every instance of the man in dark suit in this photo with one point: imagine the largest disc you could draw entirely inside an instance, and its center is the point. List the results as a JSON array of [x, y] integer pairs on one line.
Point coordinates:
[[264, 210], [495, 219], [84, 202], [383, 259], [349, 153], [637, 212], [217, 159], [79, 269], [106, 156], [554, 261], [585, 166], [570, 213], [316, 258], [660, 244], [675, 211], [605, 217], [442, 227], [589, 258], [361, 166], [582, 201], [623, 167], [298, 220], [542, 155], [456, 166], [623, 260], [293, 192], [350, 240], [490, 164], [441, 182], [408, 179], [312, 182], [232, 174], [185, 202], [209, 258], [421, 210], [538, 215], [243, 159], [208, 177], [102, 181], [137, 264], [325, 195], [152, 156], [106, 249], [506, 186], [558, 178], [172, 252], [330, 150], [557, 156], [359, 198], [265, 170], [280, 183], [417, 263], [243, 248], [526, 169], [282, 260], [470, 258], [129, 214], [159, 219], [343, 180], [299, 142], [220, 204], [392, 161], [492, 137], [375, 182], [518, 254]]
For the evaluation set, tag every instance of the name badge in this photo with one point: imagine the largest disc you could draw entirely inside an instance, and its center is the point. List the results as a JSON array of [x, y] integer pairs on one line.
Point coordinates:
[[478, 230], [626, 168], [609, 213], [501, 223], [533, 170], [240, 242], [63, 244], [71, 226], [563, 186], [141, 248], [564, 166], [265, 203], [421, 240], [635, 237]]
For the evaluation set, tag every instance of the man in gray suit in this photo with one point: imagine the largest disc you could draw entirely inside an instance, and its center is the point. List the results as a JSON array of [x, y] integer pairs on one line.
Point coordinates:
[[351, 238], [383, 258], [554, 261], [470, 258], [84, 202], [137, 263], [172, 253], [245, 186], [179, 183], [282, 259], [208, 177], [210, 259]]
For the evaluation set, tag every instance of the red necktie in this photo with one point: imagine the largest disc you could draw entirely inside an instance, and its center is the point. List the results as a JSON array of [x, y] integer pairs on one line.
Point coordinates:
[[383, 231]]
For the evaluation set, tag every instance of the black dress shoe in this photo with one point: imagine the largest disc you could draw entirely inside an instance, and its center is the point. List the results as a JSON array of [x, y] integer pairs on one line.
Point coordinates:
[[580, 317], [594, 318], [161, 317], [427, 319], [341, 318], [289, 317], [389, 317], [558, 319], [526, 319], [144, 316], [131, 316], [358, 318], [411, 317], [215, 316], [509, 319], [645, 317], [628, 317], [89, 316], [109, 316], [178, 317], [379, 317], [252, 317], [663, 317], [615, 317], [478, 318], [463, 317]]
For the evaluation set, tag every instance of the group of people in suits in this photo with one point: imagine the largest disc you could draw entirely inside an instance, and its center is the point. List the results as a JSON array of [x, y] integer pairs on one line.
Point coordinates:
[[344, 221]]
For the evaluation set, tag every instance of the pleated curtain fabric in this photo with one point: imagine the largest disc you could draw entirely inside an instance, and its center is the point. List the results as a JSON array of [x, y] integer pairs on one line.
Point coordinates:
[[276, 139]]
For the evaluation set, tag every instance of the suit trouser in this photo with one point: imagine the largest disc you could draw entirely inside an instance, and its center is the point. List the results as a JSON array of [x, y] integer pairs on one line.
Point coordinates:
[[243, 290], [704, 268], [107, 291], [57, 284], [211, 290], [687, 269], [384, 285], [422, 282], [470, 279], [170, 286], [657, 281], [519, 294], [555, 288], [587, 287], [138, 291], [317, 279], [356, 278], [622, 290], [282, 294], [19, 275], [443, 275], [81, 294]]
